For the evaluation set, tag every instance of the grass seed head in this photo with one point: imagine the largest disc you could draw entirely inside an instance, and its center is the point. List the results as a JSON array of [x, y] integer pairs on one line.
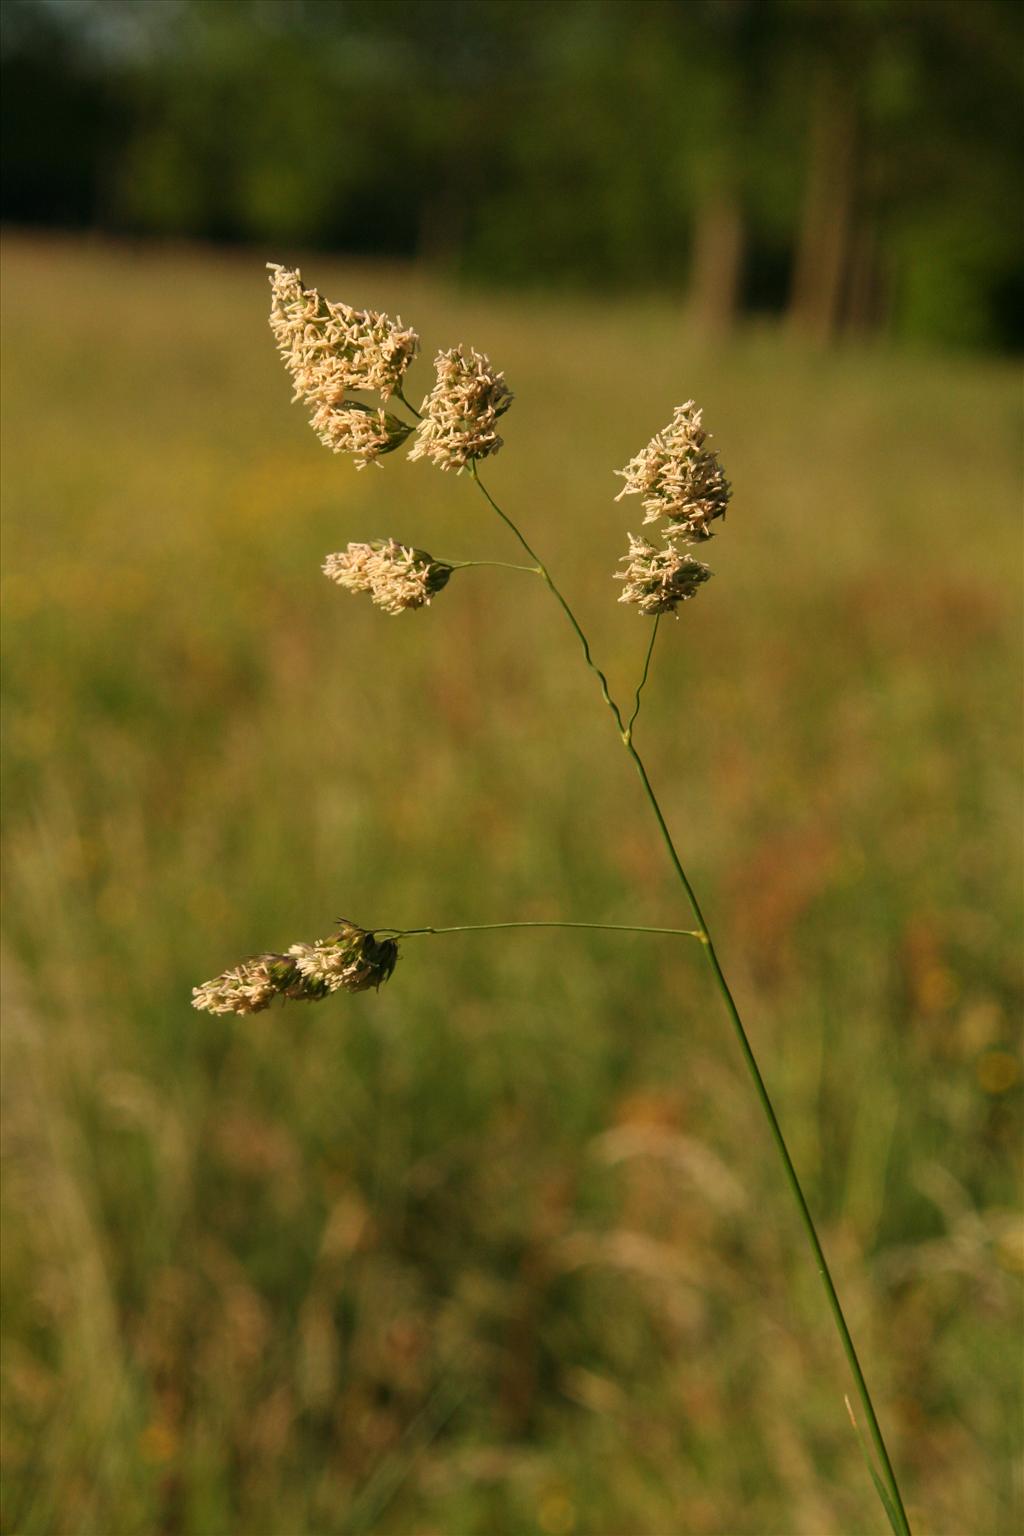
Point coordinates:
[[396, 576], [679, 478], [657, 579], [350, 428], [248, 987], [350, 960], [331, 349], [459, 414]]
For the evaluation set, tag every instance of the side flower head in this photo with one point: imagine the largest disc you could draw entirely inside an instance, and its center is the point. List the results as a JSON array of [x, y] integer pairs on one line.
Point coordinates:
[[332, 350], [657, 579], [352, 428], [350, 960], [459, 414], [396, 576], [679, 478]]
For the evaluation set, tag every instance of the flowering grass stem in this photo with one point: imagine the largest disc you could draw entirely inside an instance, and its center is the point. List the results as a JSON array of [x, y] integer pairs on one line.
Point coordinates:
[[885, 1478], [464, 565], [408, 933], [643, 679]]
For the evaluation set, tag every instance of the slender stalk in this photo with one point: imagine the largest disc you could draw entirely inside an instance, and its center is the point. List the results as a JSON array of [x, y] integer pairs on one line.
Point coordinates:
[[584, 642], [464, 565], [641, 684], [407, 403], [789, 1169], [408, 933]]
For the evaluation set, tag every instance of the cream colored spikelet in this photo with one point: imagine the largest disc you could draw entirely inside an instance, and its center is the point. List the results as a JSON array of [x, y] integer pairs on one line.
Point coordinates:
[[657, 579], [459, 416], [396, 576], [679, 478], [350, 960]]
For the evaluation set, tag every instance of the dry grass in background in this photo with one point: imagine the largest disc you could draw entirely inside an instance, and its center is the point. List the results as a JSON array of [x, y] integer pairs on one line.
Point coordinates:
[[501, 1249]]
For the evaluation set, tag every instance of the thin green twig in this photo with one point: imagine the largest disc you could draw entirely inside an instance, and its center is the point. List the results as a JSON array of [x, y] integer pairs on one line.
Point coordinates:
[[407, 403], [584, 642], [789, 1169], [464, 565], [643, 680], [408, 933]]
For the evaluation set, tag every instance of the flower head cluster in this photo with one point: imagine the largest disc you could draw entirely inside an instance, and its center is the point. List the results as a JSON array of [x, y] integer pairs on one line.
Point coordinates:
[[396, 576], [331, 350], [350, 960], [657, 579], [460, 413], [350, 428], [679, 478]]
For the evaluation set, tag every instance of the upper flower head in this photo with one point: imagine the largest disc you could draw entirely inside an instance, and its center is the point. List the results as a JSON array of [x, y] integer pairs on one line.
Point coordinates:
[[460, 412], [679, 477], [396, 576], [657, 579], [330, 349], [350, 960]]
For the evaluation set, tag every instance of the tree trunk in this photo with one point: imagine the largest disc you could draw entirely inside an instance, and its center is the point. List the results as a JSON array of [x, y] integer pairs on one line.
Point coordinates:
[[716, 269], [822, 261]]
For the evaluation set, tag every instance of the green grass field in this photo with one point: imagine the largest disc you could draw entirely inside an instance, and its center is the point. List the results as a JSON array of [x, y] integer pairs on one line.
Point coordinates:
[[503, 1249]]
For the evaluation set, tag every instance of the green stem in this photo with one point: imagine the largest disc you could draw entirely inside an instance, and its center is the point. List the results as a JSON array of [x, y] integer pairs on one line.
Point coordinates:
[[400, 394], [408, 933], [792, 1179], [647, 667], [542, 568], [464, 565]]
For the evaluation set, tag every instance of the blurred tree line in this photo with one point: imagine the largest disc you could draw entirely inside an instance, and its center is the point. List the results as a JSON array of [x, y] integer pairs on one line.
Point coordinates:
[[851, 164]]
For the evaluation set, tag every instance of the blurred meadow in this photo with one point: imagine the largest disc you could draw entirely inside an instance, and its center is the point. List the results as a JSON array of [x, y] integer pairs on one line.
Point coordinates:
[[503, 1249]]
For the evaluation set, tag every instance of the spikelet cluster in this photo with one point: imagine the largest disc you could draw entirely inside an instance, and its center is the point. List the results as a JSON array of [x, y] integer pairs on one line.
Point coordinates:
[[353, 429], [679, 478], [396, 576], [350, 960], [460, 414], [332, 350], [657, 579]]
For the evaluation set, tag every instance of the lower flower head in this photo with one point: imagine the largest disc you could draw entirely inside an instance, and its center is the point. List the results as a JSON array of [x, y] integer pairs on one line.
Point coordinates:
[[657, 579], [396, 576], [248, 987], [352, 428], [350, 960]]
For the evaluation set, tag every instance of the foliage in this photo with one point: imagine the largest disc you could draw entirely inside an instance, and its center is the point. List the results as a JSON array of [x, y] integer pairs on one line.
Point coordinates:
[[564, 143]]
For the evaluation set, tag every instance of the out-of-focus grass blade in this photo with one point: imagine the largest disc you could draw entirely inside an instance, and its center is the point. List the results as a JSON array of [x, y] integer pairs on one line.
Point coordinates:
[[899, 1528]]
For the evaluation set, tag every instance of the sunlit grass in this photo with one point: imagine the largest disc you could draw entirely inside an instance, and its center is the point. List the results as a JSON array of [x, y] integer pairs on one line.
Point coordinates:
[[500, 1249]]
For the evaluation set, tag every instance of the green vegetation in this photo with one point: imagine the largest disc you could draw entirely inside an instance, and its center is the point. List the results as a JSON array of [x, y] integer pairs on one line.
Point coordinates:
[[855, 163], [501, 1249]]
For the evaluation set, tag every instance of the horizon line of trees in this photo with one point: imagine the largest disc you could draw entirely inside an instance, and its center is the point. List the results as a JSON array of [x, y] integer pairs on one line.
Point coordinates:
[[852, 165]]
